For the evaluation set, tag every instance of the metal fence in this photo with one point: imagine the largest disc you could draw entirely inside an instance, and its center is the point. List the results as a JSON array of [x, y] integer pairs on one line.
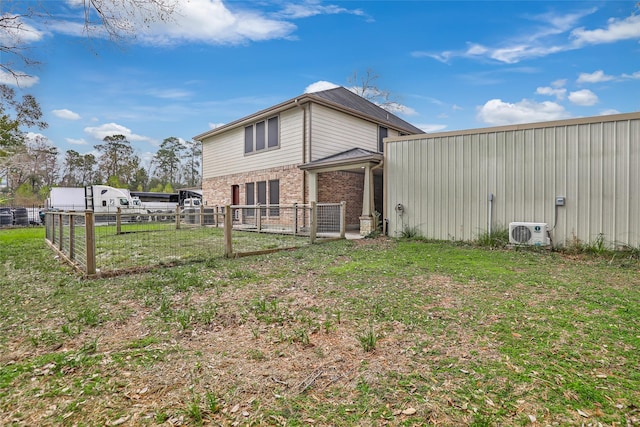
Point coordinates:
[[113, 242]]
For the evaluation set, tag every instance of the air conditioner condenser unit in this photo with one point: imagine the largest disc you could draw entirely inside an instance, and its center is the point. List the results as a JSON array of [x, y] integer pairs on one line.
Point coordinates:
[[528, 233]]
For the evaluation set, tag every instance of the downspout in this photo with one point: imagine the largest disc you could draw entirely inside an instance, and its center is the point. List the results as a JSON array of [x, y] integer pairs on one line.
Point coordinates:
[[304, 149]]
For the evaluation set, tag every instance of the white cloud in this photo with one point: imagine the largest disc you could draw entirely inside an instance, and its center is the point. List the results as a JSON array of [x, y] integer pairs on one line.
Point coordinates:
[[215, 125], [397, 108], [204, 21], [583, 97], [15, 31], [616, 30], [595, 77], [635, 75], [559, 93], [609, 112], [74, 141], [498, 112], [545, 38], [110, 129], [431, 127], [212, 22], [319, 86], [66, 114], [169, 93], [307, 9], [20, 79], [540, 40]]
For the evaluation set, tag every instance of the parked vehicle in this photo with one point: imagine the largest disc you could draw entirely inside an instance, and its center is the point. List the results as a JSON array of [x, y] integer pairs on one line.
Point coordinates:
[[98, 198]]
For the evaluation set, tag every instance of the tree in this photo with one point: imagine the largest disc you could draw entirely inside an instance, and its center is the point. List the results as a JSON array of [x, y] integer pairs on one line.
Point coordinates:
[[14, 115], [116, 20], [365, 86], [79, 169], [167, 161], [33, 166], [117, 161], [192, 157]]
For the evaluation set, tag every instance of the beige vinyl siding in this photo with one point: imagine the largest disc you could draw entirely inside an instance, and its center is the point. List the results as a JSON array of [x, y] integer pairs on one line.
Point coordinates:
[[223, 154], [333, 132], [444, 180]]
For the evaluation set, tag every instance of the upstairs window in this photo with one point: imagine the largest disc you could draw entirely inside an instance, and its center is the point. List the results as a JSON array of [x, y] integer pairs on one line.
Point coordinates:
[[383, 132], [261, 136]]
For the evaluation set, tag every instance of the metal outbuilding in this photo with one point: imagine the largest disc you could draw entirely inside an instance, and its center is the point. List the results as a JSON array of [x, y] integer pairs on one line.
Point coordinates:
[[580, 176]]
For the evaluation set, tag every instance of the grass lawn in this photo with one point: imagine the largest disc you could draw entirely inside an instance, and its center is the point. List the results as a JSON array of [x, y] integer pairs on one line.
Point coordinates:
[[369, 332]]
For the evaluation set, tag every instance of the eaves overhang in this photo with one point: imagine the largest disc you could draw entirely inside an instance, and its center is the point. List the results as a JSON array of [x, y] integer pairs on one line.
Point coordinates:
[[351, 159]]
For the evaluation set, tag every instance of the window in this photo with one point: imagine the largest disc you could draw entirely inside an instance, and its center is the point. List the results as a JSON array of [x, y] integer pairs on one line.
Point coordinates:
[[273, 132], [274, 196], [383, 132], [261, 136], [248, 139], [262, 196], [259, 193], [250, 196]]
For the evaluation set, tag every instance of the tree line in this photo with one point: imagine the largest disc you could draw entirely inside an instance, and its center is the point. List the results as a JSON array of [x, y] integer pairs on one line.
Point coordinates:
[[31, 165]]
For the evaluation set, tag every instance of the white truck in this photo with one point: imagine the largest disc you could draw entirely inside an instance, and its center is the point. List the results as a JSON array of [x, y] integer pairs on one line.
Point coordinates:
[[99, 198]]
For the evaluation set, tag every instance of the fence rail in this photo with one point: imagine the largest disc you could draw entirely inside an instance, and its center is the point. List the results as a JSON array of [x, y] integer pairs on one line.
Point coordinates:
[[109, 242]]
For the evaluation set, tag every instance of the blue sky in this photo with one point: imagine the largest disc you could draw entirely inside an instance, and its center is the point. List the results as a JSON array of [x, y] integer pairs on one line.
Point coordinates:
[[450, 65]]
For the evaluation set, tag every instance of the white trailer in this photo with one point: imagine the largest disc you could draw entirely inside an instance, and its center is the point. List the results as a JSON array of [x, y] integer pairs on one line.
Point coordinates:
[[66, 199], [99, 198]]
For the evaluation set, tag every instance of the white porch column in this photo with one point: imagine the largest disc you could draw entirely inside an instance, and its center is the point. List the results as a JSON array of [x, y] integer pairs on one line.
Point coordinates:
[[313, 186], [366, 193]]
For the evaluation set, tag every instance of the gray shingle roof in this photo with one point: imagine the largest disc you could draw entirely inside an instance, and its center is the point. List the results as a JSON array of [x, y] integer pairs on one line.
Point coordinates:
[[338, 97], [352, 101]]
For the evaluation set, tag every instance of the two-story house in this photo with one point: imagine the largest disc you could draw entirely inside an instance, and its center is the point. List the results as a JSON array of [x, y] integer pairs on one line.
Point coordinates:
[[324, 146]]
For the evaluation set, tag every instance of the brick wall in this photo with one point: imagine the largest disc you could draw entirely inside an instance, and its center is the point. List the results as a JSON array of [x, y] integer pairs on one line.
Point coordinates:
[[334, 187], [218, 191]]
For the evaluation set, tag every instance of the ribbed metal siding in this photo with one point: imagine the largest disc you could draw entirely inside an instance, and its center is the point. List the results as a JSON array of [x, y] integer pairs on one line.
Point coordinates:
[[444, 182]]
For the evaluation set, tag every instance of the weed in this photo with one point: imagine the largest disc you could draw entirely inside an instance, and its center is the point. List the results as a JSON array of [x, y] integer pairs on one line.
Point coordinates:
[[302, 336], [184, 318], [161, 417], [144, 342], [410, 232], [498, 238], [194, 412], [257, 355], [70, 330], [368, 340], [89, 317], [213, 403]]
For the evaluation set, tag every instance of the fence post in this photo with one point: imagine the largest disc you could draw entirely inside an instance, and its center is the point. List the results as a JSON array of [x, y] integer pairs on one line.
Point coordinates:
[[90, 242], [61, 233], [314, 222], [118, 220], [228, 225], [343, 219], [177, 217], [201, 213], [72, 232], [259, 218], [295, 219], [50, 220]]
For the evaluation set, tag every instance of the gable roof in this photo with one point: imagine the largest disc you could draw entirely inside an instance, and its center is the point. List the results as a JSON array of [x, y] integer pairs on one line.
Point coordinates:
[[344, 97], [338, 98]]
